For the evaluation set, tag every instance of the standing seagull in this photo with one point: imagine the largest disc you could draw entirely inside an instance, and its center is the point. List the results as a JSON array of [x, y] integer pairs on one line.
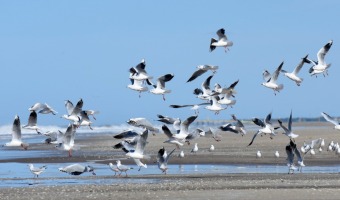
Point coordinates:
[[16, 135], [77, 169], [159, 88], [221, 42], [201, 69], [114, 168], [271, 79], [123, 168], [36, 170], [162, 159], [331, 120], [195, 149], [258, 154], [288, 131], [294, 75], [320, 66]]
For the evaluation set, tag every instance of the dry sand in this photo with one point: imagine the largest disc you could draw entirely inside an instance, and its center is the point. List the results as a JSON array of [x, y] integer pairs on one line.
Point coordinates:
[[231, 150]]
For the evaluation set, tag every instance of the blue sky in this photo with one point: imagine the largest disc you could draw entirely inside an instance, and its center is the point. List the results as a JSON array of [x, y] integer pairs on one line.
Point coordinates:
[[51, 51]]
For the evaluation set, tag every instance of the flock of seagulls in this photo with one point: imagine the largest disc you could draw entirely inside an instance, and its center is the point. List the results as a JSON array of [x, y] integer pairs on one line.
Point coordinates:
[[176, 131]]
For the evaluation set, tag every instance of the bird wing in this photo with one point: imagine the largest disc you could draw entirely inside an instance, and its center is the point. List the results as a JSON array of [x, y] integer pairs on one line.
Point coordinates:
[[186, 123], [161, 80], [78, 108], [258, 122], [32, 119], [69, 107], [276, 73], [266, 75], [323, 51], [168, 156], [252, 140], [16, 129], [126, 134], [330, 119], [290, 121], [300, 65], [196, 74], [167, 131], [221, 34], [268, 118], [142, 142]]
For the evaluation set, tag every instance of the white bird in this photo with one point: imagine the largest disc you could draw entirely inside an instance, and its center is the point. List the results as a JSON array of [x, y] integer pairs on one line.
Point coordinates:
[[139, 72], [201, 69], [142, 123], [181, 154], [138, 85], [212, 148], [114, 168], [266, 127], [16, 135], [288, 131], [36, 170], [159, 88], [184, 128], [162, 159], [85, 120], [195, 149], [36, 107], [171, 138], [77, 169], [205, 92], [138, 152], [32, 122], [236, 127], [321, 66], [214, 105], [276, 154], [221, 42], [73, 111], [194, 107], [258, 154], [48, 109], [194, 135], [311, 145], [331, 120], [294, 75], [123, 168], [271, 79], [66, 140]]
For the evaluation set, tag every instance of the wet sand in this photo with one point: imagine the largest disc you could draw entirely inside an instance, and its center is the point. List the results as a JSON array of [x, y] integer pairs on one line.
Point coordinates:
[[231, 150]]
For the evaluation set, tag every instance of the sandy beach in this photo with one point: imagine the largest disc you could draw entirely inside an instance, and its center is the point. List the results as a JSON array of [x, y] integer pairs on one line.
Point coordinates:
[[231, 150]]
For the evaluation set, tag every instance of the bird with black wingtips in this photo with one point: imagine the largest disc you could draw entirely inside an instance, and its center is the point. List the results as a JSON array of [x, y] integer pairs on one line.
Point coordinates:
[[162, 159], [222, 41], [271, 79], [159, 88], [201, 69], [294, 75], [16, 135], [320, 66]]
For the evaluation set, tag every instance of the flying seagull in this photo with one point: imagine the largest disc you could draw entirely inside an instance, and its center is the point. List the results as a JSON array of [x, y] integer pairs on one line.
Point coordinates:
[[16, 135], [271, 79], [159, 88], [331, 120], [201, 69], [288, 131], [221, 42], [236, 127], [266, 127], [162, 159], [294, 75], [320, 66], [194, 107]]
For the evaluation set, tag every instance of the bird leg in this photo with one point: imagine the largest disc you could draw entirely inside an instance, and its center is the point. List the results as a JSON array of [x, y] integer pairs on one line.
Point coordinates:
[[163, 97], [70, 153]]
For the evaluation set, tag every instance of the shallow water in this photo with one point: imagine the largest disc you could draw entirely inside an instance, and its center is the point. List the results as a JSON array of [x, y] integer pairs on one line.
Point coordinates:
[[18, 174]]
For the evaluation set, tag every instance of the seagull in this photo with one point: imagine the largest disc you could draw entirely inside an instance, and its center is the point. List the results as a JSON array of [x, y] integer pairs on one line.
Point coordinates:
[[236, 127], [214, 105], [138, 85], [290, 159], [85, 120], [73, 111], [194, 107], [114, 168], [16, 135], [193, 135], [205, 92], [195, 149], [181, 154], [66, 140], [171, 138], [128, 135], [311, 145], [288, 131], [271, 79], [218, 90], [201, 69], [217, 137], [32, 122], [298, 155], [331, 120], [276, 154], [36, 107], [77, 169], [175, 122], [212, 148], [92, 112], [48, 109], [142, 123], [122, 168], [35, 170], [184, 128], [138, 72], [320, 66], [138, 152], [221, 42], [162, 159], [159, 88], [266, 127], [258, 154], [293, 75]]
